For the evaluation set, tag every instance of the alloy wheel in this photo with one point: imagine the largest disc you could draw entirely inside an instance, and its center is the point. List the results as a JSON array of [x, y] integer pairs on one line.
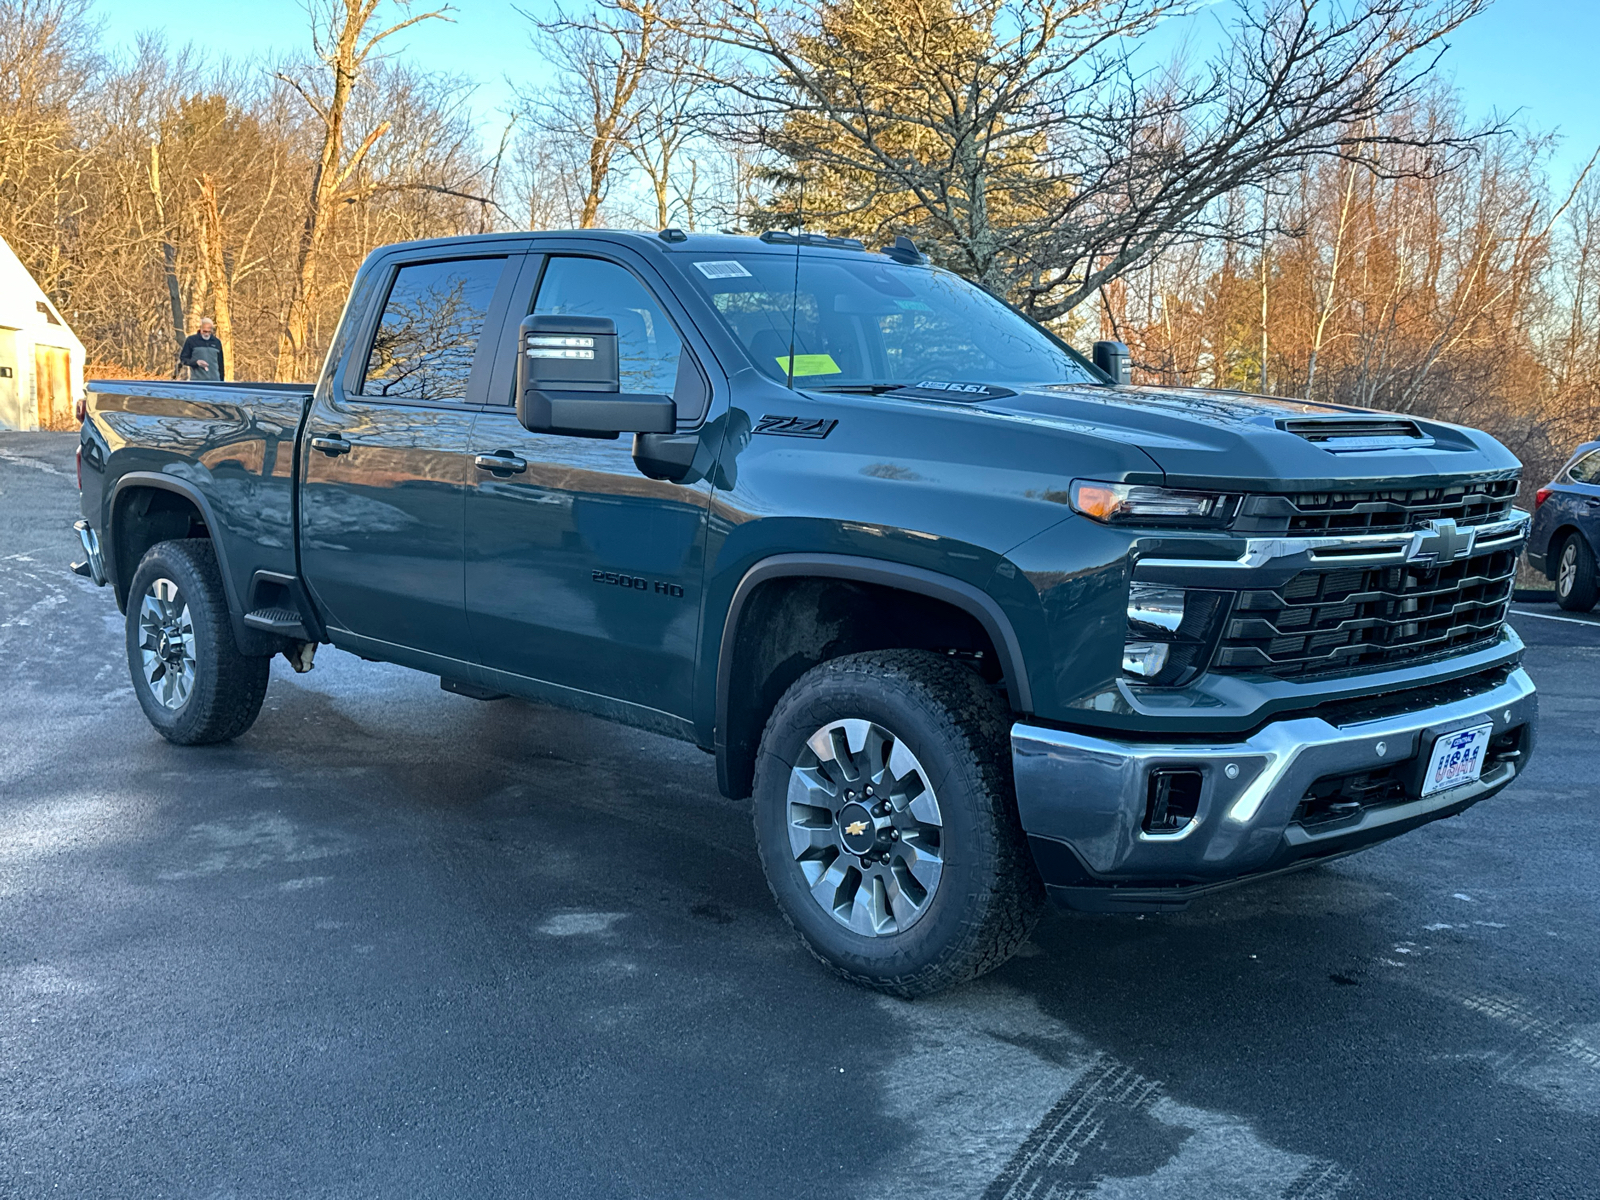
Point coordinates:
[[166, 643], [1567, 572], [865, 828]]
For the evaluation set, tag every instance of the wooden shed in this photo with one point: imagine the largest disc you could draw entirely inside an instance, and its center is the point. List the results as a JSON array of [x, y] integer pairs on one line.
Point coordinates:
[[41, 359]]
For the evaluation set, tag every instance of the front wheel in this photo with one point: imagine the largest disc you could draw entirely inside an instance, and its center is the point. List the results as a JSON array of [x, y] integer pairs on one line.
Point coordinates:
[[886, 822], [191, 680], [1577, 587]]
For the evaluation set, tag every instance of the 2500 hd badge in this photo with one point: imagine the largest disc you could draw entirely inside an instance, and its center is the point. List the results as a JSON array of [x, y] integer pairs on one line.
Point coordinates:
[[638, 583]]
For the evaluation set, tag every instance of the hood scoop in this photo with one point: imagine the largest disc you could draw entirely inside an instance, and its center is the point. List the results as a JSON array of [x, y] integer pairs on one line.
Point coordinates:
[[1353, 435]]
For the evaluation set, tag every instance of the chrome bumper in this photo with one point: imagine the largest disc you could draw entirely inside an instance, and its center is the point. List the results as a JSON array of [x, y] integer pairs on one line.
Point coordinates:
[[93, 566], [1083, 799]]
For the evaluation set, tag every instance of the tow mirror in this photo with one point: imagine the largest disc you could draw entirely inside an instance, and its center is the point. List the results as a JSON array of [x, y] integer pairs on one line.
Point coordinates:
[[568, 381], [1114, 360]]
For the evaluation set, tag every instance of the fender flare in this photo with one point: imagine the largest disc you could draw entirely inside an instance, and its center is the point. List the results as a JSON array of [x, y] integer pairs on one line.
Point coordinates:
[[167, 483], [972, 600]]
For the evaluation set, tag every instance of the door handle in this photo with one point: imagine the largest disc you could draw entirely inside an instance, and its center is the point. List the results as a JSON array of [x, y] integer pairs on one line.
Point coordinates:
[[501, 463], [331, 446]]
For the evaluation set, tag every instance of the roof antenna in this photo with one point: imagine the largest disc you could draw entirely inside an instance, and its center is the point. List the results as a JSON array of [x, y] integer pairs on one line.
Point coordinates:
[[794, 293]]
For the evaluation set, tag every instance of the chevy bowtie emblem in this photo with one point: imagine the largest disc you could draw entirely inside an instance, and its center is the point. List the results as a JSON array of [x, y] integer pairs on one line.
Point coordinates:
[[856, 828], [1442, 542]]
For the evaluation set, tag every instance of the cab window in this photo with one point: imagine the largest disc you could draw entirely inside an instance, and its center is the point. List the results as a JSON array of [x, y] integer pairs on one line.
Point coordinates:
[[429, 331]]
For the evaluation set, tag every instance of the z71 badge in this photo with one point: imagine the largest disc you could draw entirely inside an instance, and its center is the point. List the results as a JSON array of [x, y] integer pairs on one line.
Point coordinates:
[[811, 427]]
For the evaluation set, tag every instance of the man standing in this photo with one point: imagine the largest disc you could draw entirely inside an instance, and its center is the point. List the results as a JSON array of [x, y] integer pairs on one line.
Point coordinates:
[[202, 354]]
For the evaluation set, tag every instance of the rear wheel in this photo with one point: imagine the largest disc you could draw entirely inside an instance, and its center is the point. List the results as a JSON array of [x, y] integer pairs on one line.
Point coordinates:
[[886, 822], [191, 680], [1577, 587]]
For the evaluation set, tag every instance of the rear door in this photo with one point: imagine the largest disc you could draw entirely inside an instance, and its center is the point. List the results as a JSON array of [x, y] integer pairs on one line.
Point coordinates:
[[1585, 489], [387, 460], [581, 572]]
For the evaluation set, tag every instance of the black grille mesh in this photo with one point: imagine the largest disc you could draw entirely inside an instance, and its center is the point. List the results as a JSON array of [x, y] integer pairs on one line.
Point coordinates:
[[1379, 512], [1360, 619]]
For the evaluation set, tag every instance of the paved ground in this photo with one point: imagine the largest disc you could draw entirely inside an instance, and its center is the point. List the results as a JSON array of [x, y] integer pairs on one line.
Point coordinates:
[[394, 942]]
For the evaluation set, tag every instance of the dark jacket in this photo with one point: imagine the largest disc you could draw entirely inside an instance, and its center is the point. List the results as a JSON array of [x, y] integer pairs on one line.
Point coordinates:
[[203, 357]]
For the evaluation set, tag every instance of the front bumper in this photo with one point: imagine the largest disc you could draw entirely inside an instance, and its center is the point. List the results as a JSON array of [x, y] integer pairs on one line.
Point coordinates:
[[1084, 800]]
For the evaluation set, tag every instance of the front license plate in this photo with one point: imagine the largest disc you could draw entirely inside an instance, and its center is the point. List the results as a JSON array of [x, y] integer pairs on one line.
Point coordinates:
[[1457, 759]]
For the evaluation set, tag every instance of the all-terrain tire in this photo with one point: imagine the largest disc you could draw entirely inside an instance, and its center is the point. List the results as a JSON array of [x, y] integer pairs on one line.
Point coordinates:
[[988, 896], [1577, 581], [227, 687]]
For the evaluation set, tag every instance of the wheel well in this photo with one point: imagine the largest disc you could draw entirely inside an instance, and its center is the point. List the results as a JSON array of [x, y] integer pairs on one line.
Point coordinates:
[[790, 624], [143, 516], [1558, 539]]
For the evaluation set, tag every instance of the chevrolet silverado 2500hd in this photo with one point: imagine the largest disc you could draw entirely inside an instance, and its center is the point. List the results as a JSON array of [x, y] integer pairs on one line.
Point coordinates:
[[971, 619]]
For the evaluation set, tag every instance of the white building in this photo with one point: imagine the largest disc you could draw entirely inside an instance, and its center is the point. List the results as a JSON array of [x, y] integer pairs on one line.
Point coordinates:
[[41, 360]]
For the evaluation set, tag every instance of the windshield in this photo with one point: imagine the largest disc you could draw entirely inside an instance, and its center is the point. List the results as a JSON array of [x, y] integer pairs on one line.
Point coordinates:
[[865, 323]]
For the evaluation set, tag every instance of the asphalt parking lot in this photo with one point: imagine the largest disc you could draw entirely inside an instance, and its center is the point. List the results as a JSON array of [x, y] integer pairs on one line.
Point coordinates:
[[395, 942]]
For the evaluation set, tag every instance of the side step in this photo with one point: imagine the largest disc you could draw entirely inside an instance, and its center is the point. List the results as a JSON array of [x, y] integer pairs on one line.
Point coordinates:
[[470, 690], [285, 622]]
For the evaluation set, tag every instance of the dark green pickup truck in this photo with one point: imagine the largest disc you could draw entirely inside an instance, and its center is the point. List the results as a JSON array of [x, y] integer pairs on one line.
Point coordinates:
[[970, 618]]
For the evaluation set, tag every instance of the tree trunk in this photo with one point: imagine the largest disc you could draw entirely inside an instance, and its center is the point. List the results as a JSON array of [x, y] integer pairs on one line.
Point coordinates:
[[169, 255], [345, 63], [217, 266]]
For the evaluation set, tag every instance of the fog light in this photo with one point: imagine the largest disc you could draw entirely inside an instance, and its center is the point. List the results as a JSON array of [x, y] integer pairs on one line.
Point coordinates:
[[1158, 607], [1144, 658]]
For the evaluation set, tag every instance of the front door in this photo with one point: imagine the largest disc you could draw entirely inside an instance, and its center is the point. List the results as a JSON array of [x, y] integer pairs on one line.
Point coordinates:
[[386, 466], [581, 572]]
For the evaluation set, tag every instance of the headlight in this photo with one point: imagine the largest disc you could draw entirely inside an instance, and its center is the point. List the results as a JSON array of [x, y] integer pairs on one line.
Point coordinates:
[[1138, 504], [1171, 632]]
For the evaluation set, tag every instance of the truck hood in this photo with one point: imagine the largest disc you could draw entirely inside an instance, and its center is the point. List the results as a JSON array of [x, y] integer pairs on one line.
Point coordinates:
[[1245, 442]]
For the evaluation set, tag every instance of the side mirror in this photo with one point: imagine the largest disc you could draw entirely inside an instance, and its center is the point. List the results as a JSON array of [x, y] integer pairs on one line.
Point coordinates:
[[1114, 360], [568, 381]]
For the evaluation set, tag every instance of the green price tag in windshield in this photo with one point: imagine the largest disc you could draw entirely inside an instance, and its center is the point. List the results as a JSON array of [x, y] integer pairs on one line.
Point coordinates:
[[809, 364]]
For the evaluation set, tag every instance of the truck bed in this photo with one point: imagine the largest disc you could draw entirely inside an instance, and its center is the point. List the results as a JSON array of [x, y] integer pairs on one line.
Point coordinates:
[[229, 448]]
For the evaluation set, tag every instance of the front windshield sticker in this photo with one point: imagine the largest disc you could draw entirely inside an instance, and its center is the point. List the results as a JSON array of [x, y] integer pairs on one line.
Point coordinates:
[[726, 269], [809, 364]]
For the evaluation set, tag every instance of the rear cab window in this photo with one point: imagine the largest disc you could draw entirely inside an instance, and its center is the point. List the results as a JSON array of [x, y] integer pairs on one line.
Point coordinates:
[[428, 335]]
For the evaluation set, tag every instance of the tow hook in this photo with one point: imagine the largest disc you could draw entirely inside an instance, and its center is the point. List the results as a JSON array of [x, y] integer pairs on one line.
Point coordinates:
[[300, 655]]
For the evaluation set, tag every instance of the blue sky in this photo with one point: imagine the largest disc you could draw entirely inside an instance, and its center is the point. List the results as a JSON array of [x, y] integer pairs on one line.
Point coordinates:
[[1532, 58]]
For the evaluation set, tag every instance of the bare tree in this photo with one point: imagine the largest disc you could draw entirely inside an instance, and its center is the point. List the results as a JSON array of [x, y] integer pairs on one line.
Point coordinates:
[[603, 60], [343, 46], [1021, 139]]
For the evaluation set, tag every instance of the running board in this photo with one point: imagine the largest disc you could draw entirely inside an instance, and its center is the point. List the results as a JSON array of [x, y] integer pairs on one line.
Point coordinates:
[[284, 622]]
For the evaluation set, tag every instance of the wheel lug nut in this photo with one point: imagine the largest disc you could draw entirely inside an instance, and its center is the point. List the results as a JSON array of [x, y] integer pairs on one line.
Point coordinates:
[[869, 789], [894, 835]]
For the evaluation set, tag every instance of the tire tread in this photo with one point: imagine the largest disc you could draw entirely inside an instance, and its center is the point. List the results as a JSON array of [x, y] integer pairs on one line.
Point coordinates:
[[227, 699], [975, 725]]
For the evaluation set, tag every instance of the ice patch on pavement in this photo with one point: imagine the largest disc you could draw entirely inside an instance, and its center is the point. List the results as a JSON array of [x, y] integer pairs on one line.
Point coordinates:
[[1008, 1103], [250, 843], [1560, 1062], [573, 924], [23, 461]]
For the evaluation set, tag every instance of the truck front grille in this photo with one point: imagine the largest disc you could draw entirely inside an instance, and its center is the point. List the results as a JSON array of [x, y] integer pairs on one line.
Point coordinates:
[[1397, 511], [1325, 622]]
